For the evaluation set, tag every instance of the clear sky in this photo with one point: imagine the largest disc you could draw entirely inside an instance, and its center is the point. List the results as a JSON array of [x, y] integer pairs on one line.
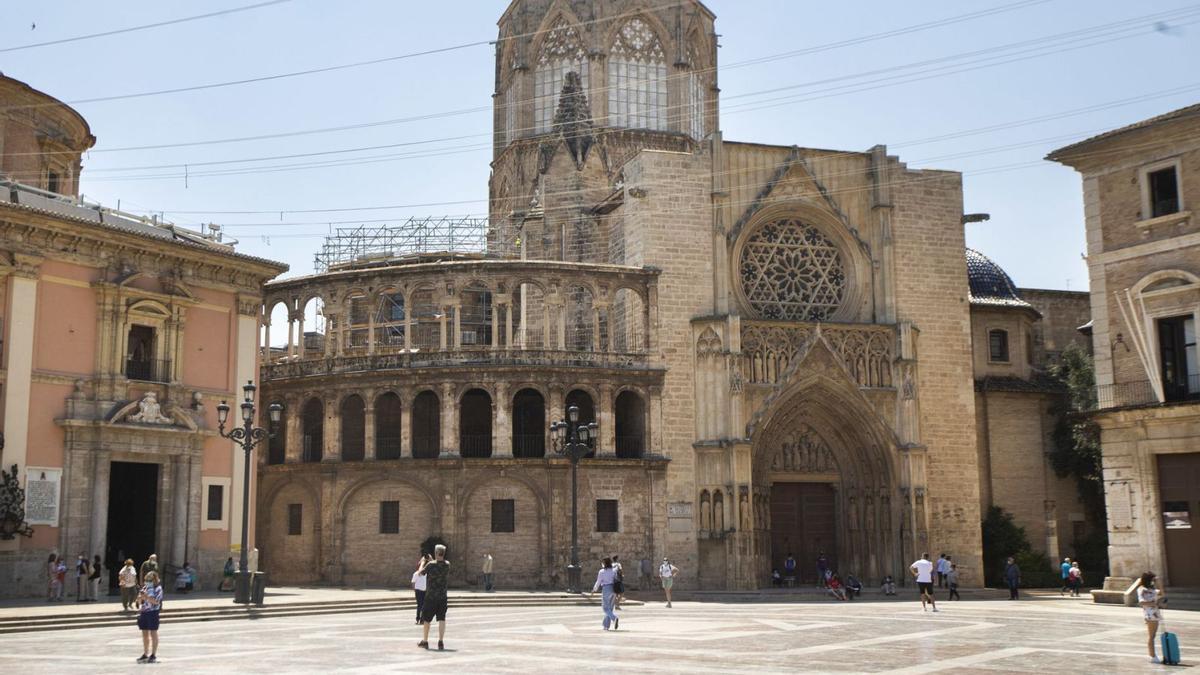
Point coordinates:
[[1119, 64]]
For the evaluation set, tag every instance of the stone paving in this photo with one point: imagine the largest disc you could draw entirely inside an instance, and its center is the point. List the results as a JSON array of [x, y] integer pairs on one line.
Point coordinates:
[[1044, 635]]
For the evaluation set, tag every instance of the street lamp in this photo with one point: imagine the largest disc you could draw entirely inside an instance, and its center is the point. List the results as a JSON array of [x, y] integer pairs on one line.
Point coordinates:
[[573, 441], [247, 436]]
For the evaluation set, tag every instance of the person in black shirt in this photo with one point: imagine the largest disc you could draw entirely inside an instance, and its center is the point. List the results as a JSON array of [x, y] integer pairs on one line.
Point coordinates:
[[436, 574]]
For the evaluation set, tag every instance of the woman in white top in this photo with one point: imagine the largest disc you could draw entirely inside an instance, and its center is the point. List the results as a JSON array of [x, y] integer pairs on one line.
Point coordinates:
[[604, 582], [128, 581], [1150, 599]]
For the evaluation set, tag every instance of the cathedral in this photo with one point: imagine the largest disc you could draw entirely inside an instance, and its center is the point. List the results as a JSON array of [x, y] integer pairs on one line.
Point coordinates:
[[785, 350]]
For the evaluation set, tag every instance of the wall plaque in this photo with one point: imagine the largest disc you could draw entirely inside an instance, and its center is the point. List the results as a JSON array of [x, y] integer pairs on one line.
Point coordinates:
[[42, 487]]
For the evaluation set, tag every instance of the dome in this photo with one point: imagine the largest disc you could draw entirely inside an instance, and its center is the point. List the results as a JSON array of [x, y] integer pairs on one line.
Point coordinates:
[[990, 284]]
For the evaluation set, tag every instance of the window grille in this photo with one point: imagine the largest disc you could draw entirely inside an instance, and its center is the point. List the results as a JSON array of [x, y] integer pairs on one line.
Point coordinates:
[[389, 517], [295, 518], [606, 515], [504, 515], [216, 502]]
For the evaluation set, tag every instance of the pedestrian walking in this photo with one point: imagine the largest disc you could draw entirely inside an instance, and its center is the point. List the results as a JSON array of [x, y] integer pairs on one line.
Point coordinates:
[[1065, 571], [923, 571], [150, 565], [618, 582], [418, 585], [81, 574], [127, 580], [487, 572], [436, 573], [149, 602], [943, 568], [952, 582], [604, 584], [822, 569], [1151, 599], [666, 574], [1012, 576], [94, 578], [1076, 578]]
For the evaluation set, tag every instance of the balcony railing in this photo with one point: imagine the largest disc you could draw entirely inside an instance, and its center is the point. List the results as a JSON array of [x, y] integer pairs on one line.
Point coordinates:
[[148, 370], [285, 369], [529, 445], [475, 445], [1141, 393]]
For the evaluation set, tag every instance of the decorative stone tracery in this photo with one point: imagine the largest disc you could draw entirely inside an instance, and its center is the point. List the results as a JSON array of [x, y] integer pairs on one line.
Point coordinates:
[[791, 271], [637, 78]]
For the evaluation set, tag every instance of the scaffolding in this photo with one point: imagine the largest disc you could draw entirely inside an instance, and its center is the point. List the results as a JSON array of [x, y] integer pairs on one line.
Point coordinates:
[[416, 236]]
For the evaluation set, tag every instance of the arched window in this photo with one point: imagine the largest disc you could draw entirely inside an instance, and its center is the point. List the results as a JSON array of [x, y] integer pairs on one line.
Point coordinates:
[[631, 424], [587, 411], [313, 430], [387, 426], [426, 425], [562, 52], [637, 78], [529, 424], [998, 345], [475, 424]]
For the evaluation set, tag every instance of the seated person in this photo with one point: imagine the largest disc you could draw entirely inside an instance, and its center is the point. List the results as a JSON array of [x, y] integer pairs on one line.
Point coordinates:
[[889, 585], [182, 580], [853, 586], [776, 578], [835, 588]]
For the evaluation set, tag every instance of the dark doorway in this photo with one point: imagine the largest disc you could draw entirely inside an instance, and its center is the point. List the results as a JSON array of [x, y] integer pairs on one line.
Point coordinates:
[[426, 420], [529, 424], [132, 515], [475, 424], [1179, 484], [631, 425], [802, 524]]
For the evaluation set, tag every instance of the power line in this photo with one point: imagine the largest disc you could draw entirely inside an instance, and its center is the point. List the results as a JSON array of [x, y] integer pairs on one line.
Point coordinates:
[[148, 26], [762, 59]]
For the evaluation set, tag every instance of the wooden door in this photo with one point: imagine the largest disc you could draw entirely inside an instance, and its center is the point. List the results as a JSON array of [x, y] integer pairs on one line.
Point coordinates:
[[1179, 485], [802, 523]]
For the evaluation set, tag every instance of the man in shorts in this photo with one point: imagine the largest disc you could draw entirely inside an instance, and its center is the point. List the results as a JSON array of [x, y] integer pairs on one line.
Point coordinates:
[[667, 572], [436, 573], [923, 571]]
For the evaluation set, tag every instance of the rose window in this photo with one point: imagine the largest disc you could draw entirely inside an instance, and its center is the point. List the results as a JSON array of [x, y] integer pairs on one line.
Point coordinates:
[[791, 271]]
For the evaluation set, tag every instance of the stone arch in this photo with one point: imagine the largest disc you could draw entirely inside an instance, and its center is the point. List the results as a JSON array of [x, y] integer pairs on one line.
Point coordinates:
[[352, 413], [630, 415], [529, 422], [559, 47], [389, 424], [312, 430], [1161, 277], [426, 425], [587, 403], [369, 556], [475, 411], [526, 551], [638, 56], [293, 558]]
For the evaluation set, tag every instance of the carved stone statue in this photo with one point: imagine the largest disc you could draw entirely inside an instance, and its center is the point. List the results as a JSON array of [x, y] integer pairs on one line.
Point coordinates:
[[149, 411]]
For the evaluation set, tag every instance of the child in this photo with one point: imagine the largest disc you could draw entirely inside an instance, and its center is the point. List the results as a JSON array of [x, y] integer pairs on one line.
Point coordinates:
[[952, 582], [149, 602]]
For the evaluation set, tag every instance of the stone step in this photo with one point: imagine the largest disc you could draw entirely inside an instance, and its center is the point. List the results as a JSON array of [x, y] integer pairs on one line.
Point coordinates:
[[77, 621]]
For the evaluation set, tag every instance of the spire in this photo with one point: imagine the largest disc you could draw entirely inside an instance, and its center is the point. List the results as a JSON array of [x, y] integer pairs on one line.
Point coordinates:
[[573, 122]]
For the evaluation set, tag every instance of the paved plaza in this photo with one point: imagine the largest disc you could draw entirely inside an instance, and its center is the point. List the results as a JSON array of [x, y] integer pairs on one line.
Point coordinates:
[[1045, 635]]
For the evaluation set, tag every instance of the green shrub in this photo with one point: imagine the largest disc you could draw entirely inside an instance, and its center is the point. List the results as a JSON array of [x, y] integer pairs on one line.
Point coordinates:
[[1001, 538], [1037, 571]]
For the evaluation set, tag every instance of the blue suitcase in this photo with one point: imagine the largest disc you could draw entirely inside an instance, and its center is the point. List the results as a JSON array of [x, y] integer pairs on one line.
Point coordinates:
[[1170, 649]]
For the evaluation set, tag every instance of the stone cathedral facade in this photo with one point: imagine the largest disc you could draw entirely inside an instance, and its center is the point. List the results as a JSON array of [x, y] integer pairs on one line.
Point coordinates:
[[776, 343]]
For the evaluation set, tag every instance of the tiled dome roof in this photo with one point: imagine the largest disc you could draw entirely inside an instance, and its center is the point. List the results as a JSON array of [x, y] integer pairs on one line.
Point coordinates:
[[990, 284]]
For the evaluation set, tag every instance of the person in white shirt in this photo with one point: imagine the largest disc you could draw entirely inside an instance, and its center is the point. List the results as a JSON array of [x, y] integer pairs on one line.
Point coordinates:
[[923, 571], [128, 580], [667, 572], [418, 585], [942, 569], [604, 583]]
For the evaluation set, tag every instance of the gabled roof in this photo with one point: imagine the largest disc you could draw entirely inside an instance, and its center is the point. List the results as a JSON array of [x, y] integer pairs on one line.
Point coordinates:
[[1182, 113]]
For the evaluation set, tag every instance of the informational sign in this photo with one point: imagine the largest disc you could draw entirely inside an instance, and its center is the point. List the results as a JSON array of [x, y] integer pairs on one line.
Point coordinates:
[[42, 490], [1177, 520], [1120, 506], [679, 517]]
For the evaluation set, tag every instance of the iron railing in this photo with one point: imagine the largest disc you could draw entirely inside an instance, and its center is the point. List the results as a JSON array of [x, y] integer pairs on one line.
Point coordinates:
[[475, 445], [631, 446], [529, 445], [148, 370], [1141, 393]]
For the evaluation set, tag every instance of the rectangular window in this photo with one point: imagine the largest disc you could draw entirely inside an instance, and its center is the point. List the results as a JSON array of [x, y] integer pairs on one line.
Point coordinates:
[[504, 515], [1164, 192], [216, 502], [1177, 350], [295, 518], [52, 182], [998, 345], [606, 515], [389, 517]]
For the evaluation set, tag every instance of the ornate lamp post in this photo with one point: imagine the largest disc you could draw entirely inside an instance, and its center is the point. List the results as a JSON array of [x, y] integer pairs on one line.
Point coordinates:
[[248, 436], [573, 440]]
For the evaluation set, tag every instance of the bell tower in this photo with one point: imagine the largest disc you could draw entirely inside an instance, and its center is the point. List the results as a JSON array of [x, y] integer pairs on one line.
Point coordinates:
[[582, 86]]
